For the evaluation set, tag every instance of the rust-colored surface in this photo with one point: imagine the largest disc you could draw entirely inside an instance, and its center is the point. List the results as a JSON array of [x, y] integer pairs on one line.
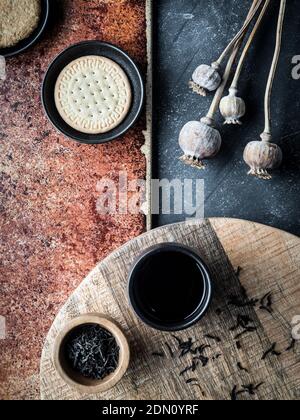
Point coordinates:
[[51, 233]]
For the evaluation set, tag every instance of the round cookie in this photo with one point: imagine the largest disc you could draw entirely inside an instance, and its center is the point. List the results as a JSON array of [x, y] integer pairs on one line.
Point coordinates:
[[18, 19], [93, 94]]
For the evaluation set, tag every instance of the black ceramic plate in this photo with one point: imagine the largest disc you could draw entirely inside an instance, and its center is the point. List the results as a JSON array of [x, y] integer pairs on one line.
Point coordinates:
[[33, 38], [105, 50]]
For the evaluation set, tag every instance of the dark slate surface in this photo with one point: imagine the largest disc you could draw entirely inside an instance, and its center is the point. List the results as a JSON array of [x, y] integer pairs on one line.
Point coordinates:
[[190, 32]]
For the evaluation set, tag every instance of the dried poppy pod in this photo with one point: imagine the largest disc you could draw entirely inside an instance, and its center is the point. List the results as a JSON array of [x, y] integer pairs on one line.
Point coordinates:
[[262, 156], [206, 79], [199, 140], [232, 108]]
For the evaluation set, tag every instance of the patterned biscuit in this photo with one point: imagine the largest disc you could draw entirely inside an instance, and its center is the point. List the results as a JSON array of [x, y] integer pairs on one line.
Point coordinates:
[[93, 94], [18, 19]]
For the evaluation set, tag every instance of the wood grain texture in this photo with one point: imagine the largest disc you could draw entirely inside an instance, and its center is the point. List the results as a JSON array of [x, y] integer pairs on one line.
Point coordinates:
[[270, 262]]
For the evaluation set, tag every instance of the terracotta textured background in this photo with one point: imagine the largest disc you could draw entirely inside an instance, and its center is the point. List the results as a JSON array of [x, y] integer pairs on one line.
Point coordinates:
[[51, 233]]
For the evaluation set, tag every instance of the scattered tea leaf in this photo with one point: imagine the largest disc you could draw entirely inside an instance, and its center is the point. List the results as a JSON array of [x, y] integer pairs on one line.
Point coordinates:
[[272, 351], [204, 360], [192, 380], [246, 331], [192, 368], [237, 302], [238, 345], [158, 354], [200, 349], [292, 345], [179, 340], [170, 350], [252, 389], [243, 321], [214, 338], [238, 271], [186, 347], [266, 303], [242, 368], [235, 393]]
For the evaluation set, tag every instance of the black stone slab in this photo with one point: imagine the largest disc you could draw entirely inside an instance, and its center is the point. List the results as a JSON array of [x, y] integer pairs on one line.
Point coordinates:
[[190, 32]]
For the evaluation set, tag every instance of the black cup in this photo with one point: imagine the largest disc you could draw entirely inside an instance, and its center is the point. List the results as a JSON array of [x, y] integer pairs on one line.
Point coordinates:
[[170, 287]]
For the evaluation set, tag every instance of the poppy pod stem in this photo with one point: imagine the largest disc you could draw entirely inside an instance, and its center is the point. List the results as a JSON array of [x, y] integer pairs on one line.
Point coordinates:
[[270, 83], [250, 40], [207, 78], [232, 107], [251, 15], [264, 155]]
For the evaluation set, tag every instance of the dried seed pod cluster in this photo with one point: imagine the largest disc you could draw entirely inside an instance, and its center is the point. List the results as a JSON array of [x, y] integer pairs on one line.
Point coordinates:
[[200, 140]]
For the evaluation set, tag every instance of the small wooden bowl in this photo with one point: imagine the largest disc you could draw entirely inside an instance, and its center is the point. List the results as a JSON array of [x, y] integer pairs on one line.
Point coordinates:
[[74, 379]]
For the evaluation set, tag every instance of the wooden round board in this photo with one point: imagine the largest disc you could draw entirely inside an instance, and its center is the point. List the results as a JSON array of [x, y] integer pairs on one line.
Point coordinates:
[[244, 347]]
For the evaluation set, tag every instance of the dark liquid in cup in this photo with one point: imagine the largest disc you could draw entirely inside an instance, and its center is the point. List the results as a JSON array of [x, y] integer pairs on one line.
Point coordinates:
[[169, 286]]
